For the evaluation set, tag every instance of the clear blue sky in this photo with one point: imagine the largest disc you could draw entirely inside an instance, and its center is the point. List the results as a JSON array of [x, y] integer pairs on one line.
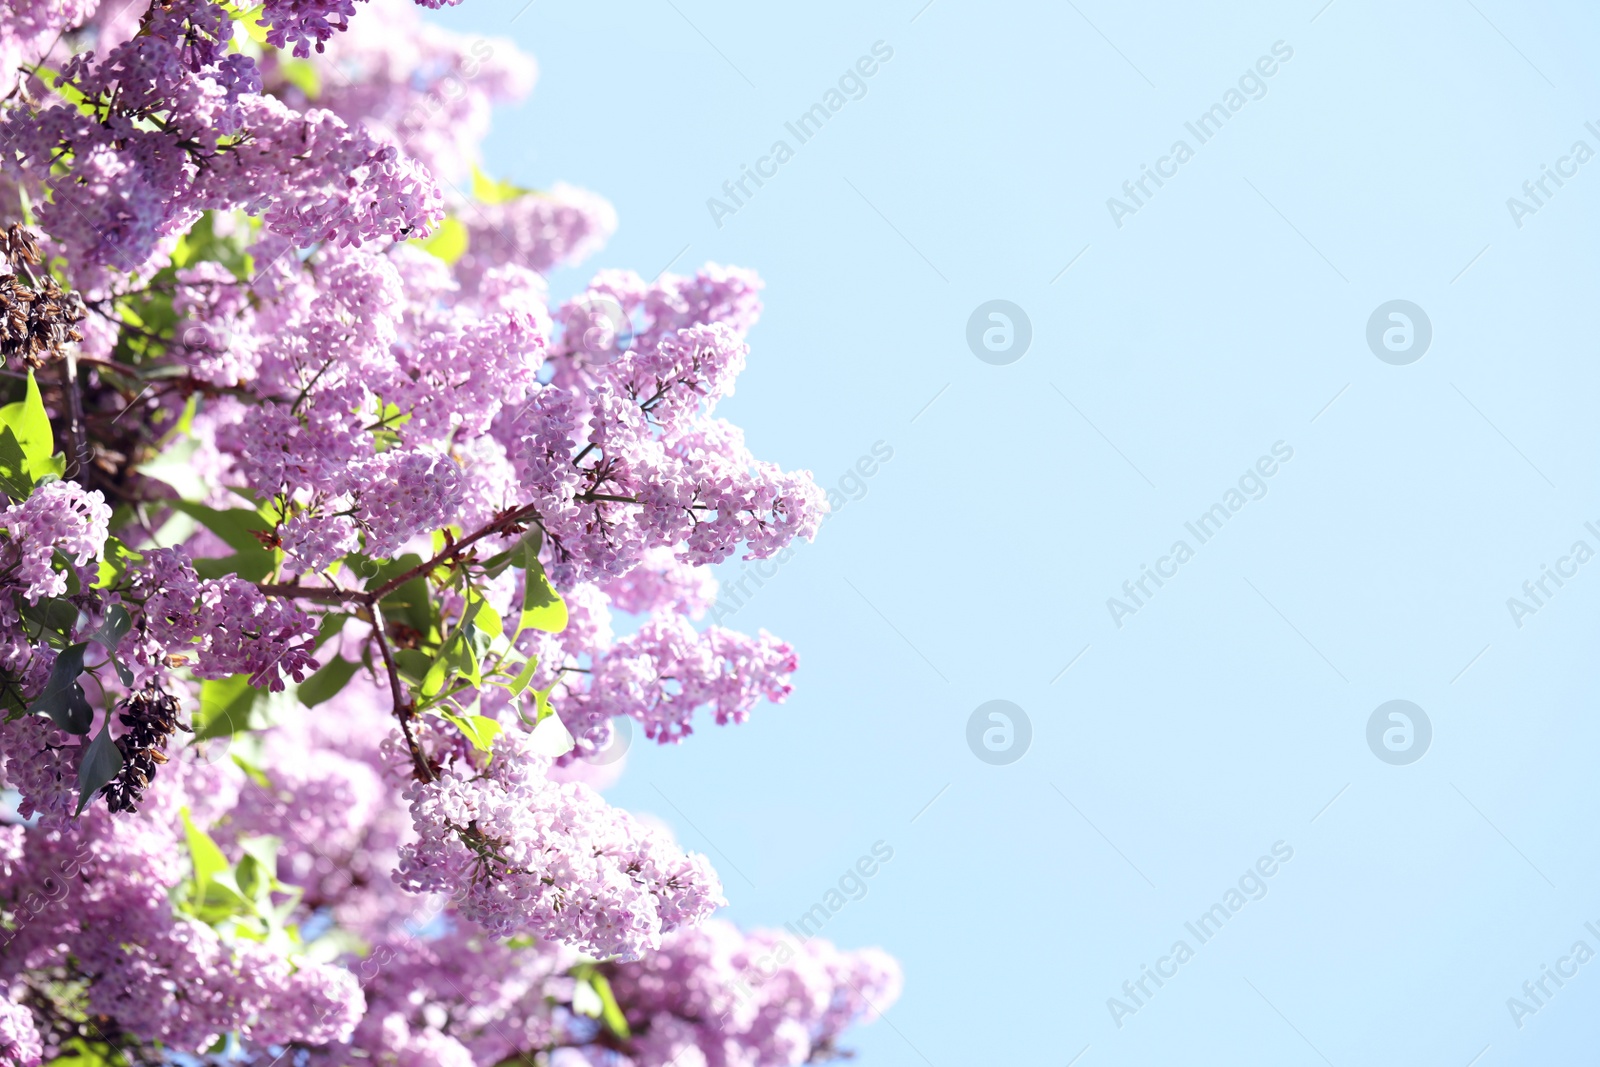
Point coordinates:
[[1227, 313]]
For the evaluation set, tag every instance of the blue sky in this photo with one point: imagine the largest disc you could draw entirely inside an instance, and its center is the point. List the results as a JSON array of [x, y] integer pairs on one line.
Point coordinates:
[[1173, 348]]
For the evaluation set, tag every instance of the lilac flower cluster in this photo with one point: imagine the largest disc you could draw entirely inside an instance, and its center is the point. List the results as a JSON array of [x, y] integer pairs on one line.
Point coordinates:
[[540, 231], [308, 454], [19, 1037], [304, 24], [667, 670], [427, 89], [227, 624], [170, 123], [759, 998], [30, 28], [58, 517], [525, 855]]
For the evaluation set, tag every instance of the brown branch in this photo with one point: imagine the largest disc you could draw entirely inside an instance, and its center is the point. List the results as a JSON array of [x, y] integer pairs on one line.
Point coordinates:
[[320, 593], [80, 439], [501, 524], [403, 709]]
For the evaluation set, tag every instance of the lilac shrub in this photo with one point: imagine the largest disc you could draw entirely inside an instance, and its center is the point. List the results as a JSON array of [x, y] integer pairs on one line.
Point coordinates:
[[321, 523]]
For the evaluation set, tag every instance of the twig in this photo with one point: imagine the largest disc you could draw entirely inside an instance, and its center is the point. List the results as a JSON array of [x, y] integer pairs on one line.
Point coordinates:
[[80, 439], [514, 517], [402, 707], [321, 593]]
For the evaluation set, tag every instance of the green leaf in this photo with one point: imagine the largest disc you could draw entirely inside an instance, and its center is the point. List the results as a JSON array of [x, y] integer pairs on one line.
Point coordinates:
[[493, 191], [113, 629], [100, 765], [109, 635], [204, 855], [524, 676], [610, 1013], [302, 75], [226, 707], [550, 736], [256, 774], [414, 664], [254, 26], [215, 893], [237, 527], [114, 566], [80, 1052], [252, 567], [14, 477], [332, 622], [412, 603], [496, 564], [31, 425], [479, 729], [449, 242], [599, 1000], [488, 620], [52, 616], [328, 681], [541, 701], [176, 468], [542, 606], [585, 1001], [457, 652], [438, 672], [62, 698], [124, 675], [263, 849]]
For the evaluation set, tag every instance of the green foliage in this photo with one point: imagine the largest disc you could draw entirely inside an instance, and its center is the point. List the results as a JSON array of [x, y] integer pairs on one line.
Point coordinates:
[[242, 530], [542, 704], [79, 1052], [99, 766], [598, 1002], [412, 603], [384, 431], [542, 606], [492, 191], [301, 74], [201, 243], [62, 697], [239, 897], [256, 774], [479, 729], [232, 705], [150, 323], [327, 682], [51, 620], [14, 478], [30, 423], [225, 707], [449, 242], [114, 564], [112, 629], [462, 653], [29, 428], [174, 467]]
